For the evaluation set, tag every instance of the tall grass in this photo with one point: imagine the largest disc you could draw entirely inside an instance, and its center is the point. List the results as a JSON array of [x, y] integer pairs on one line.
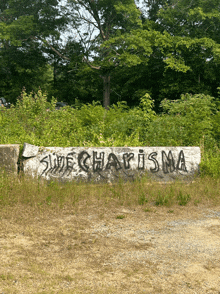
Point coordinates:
[[38, 194]]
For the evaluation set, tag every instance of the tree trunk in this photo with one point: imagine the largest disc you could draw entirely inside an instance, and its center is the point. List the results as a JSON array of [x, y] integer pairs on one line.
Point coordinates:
[[106, 91], [54, 74]]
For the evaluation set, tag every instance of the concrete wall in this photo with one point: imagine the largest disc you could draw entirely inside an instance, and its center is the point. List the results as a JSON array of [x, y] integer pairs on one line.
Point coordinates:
[[111, 164], [9, 155]]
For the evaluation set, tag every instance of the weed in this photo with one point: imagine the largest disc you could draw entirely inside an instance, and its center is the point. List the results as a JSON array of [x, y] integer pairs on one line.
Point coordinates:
[[162, 199], [183, 199], [6, 277], [120, 216], [142, 198], [48, 200], [196, 202], [116, 193]]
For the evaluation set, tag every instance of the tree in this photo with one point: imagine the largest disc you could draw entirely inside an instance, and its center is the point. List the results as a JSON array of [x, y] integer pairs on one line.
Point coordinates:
[[24, 27], [161, 54], [96, 22], [74, 80], [195, 25], [172, 40]]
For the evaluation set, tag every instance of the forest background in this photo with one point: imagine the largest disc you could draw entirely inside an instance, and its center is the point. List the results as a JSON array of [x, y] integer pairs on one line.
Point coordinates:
[[135, 74]]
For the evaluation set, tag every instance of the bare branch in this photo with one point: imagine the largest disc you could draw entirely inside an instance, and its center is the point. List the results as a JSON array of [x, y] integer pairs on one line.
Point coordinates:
[[92, 66], [95, 15], [51, 47], [89, 21]]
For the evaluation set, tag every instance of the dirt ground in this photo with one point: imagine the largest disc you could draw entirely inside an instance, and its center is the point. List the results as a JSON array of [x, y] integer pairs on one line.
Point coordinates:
[[116, 250]]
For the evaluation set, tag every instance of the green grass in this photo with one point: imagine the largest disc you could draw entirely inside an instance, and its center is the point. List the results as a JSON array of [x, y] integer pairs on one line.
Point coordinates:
[[43, 195], [120, 216]]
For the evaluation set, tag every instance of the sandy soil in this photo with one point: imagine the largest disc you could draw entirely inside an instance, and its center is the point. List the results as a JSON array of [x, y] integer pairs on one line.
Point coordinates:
[[117, 250]]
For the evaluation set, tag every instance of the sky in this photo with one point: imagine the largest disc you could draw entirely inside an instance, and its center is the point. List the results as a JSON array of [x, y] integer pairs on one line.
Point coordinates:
[[73, 33]]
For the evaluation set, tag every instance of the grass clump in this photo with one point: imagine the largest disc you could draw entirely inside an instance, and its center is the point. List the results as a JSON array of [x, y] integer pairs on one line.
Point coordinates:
[[165, 196], [182, 198], [41, 195], [121, 216], [162, 199]]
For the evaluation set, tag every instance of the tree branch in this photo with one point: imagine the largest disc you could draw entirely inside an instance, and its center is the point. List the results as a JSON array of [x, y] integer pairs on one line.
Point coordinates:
[[92, 66], [51, 47]]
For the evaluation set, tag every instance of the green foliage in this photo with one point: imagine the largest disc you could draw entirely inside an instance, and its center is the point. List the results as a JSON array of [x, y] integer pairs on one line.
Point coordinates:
[[183, 123], [142, 198], [120, 216], [210, 163], [167, 197], [216, 126], [183, 199], [172, 51], [128, 126], [162, 199], [102, 20], [34, 120], [24, 26]]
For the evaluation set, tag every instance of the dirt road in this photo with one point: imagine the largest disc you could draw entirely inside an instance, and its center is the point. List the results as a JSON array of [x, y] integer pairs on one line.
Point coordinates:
[[117, 250]]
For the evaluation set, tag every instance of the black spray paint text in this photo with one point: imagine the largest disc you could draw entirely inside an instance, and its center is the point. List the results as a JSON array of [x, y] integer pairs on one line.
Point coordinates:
[[99, 161]]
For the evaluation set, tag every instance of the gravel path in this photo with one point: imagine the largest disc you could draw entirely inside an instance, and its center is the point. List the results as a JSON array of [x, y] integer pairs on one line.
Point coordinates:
[[184, 252], [96, 251]]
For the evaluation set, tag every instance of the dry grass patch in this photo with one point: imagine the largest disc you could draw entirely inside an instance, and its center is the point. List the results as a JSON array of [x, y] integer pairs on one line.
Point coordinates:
[[78, 238]]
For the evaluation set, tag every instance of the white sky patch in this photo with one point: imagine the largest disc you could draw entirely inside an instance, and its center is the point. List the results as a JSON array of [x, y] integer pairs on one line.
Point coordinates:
[[84, 28]]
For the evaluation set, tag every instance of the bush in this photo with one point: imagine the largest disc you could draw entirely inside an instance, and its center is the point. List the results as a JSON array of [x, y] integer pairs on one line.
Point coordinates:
[[210, 162], [34, 120], [184, 121]]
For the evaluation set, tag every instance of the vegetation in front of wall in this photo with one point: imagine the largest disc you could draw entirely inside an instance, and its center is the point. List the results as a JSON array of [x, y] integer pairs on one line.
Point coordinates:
[[36, 121], [39, 194], [189, 121], [192, 120]]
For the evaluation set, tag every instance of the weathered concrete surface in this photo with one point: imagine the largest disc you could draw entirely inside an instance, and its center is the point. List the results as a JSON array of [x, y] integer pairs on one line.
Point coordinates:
[[111, 163], [9, 158], [30, 150]]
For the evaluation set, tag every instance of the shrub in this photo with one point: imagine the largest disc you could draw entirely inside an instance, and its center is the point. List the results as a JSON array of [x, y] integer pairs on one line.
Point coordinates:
[[184, 121], [34, 120]]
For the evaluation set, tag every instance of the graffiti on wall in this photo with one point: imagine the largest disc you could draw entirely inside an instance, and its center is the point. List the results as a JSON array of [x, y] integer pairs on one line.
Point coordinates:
[[99, 162]]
